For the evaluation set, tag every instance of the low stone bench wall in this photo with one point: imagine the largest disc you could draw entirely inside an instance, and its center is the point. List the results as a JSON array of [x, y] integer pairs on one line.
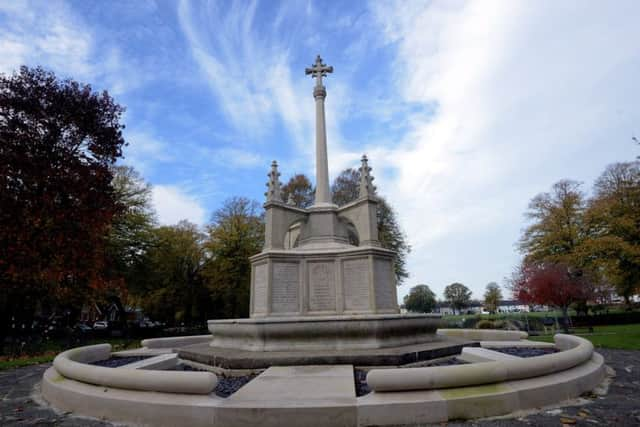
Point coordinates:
[[175, 342], [73, 364], [575, 351], [484, 334]]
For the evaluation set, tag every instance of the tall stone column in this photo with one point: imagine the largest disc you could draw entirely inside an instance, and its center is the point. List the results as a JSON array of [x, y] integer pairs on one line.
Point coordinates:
[[323, 195]]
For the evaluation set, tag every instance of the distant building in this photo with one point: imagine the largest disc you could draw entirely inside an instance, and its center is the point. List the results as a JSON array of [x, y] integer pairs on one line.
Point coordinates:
[[512, 306], [476, 307]]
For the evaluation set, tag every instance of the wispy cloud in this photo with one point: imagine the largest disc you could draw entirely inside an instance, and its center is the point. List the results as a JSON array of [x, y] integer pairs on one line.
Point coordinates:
[[173, 205], [249, 73]]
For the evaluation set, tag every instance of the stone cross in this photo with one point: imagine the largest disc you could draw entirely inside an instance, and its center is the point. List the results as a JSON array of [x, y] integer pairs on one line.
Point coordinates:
[[323, 195], [318, 71]]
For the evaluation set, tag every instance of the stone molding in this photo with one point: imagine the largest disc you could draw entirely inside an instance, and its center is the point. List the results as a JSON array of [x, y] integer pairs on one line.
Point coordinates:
[[323, 333]]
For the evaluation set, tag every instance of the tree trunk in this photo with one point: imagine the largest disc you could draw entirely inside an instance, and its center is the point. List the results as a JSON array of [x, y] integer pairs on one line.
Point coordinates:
[[565, 319]]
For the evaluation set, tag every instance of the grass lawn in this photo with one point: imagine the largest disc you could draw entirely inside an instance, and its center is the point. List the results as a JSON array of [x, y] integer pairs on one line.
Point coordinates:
[[53, 347], [624, 337]]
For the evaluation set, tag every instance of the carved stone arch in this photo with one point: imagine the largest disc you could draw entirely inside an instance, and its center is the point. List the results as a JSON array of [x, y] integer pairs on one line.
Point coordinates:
[[352, 231], [292, 236], [278, 220], [362, 215]]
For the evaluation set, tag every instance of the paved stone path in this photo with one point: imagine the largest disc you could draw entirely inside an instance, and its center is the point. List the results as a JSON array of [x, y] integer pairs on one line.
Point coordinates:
[[620, 407]]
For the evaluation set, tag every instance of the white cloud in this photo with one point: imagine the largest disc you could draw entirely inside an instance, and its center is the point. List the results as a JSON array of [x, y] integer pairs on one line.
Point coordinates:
[[526, 94], [173, 205], [144, 151], [49, 35]]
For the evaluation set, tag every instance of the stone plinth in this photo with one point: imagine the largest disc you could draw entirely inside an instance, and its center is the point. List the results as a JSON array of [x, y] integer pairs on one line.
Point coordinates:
[[323, 332], [354, 280]]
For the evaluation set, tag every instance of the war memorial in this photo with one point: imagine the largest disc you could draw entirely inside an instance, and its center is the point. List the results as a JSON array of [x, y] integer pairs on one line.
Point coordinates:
[[325, 343]]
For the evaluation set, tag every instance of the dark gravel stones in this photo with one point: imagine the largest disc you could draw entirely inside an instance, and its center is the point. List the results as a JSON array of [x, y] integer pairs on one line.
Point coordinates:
[[362, 387], [229, 385], [114, 362], [525, 351]]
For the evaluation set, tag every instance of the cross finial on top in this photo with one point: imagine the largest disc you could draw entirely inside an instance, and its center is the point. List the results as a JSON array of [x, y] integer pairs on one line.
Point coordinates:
[[318, 71]]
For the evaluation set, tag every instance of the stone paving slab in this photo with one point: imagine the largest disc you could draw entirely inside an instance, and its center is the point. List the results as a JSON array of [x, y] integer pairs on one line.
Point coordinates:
[[300, 385]]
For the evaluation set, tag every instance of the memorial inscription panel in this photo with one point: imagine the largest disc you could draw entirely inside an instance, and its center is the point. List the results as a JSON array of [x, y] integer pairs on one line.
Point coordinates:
[[322, 286], [356, 284], [384, 284], [260, 278], [284, 289]]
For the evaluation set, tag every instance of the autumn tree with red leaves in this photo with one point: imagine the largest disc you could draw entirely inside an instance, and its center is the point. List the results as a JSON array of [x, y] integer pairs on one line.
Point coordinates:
[[58, 142], [553, 284]]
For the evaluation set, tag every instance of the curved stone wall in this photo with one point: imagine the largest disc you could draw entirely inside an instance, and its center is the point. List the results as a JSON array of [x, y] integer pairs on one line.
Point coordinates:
[[484, 334], [73, 364], [576, 351]]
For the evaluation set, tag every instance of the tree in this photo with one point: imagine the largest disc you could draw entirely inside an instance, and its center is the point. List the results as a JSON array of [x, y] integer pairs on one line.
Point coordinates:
[[557, 229], [492, 297], [235, 233], [300, 189], [613, 223], [420, 299], [58, 141], [131, 234], [174, 291], [345, 189], [554, 284], [457, 295]]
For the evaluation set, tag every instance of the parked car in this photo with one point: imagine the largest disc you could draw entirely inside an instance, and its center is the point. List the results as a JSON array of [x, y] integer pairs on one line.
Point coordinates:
[[83, 328], [100, 325]]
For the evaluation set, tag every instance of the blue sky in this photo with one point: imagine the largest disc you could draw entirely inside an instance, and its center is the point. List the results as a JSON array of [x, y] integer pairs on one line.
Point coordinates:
[[466, 109]]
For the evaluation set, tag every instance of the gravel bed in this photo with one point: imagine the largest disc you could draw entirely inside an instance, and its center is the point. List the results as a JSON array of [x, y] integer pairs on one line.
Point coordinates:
[[360, 377], [114, 362], [229, 385], [525, 351]]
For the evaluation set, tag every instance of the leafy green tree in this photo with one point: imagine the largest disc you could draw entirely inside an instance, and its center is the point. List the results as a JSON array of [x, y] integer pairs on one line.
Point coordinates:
[[300, 189], [131, 234], [457, 295], [420, 299], [557, 227], [613, 223], [58, 141], [174, 291], [345, 189], [235, 233], [492, 297]]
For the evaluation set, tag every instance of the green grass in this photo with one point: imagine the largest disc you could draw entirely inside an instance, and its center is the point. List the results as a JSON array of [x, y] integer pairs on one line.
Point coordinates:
[[623, 337], [51, 348]]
